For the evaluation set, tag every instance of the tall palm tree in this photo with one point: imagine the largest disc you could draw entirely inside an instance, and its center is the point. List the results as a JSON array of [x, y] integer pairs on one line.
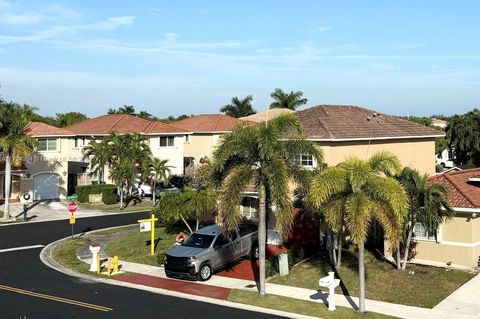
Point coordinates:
[[239, 107], [428, 206], [14, 142], [290, 100], [263, 156], [357, 191], [97, 154], [156, 170]]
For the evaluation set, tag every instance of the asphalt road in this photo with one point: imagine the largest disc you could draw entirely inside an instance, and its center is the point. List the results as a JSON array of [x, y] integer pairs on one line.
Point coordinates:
[[23, 274]]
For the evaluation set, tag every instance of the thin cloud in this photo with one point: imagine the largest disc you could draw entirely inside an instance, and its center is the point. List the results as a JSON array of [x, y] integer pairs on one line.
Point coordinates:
[[319, 29]]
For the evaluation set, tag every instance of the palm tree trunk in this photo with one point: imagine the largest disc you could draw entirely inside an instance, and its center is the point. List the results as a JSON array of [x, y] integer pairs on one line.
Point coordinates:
[[154, 191], [399, 262], [262, 233], [339, 256], [198, 224], [99, 175], [361, 277], [407, 248], [8, 183], [186, 223], [120, 189]]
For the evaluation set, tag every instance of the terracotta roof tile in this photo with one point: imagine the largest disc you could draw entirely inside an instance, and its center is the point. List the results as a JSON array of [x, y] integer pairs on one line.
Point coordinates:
[[122, 123], [42, 129], [462, 192], [333, 122], [205, 123]]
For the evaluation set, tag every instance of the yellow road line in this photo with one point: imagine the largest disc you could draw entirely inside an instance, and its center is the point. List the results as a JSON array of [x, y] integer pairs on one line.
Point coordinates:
[[55, 298]]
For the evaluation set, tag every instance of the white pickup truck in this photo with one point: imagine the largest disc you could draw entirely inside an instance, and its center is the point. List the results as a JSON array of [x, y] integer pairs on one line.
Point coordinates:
[[210, 249]]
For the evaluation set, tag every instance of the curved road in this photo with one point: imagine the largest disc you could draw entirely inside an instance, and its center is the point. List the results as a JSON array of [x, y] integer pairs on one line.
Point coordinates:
[[30, 289]]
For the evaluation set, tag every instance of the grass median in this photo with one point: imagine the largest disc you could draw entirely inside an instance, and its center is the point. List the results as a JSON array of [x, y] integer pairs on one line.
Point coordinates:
[[421, 286], [302, 307]]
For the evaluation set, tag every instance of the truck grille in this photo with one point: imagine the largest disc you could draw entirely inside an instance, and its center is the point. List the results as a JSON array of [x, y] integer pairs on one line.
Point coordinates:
[[177, 263]]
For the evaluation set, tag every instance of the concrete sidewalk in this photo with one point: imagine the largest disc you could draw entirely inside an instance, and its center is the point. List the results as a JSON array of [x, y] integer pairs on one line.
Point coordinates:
[[397, 310]]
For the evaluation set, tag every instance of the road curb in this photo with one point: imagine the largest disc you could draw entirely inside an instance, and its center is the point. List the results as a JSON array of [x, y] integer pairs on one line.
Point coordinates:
[[47, 258]]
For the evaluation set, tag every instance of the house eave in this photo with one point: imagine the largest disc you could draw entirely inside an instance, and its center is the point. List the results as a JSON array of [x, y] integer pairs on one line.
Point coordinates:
[[374, 138]]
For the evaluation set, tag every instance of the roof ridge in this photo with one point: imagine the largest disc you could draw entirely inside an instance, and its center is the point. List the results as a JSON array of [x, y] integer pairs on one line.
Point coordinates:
[[118, 121], [219, 117], [470, 200], [320, 121]]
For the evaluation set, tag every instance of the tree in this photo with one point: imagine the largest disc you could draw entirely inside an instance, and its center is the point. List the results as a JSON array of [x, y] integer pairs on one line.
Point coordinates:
[[463, 136], [357, 191], [283, 100], [426, 121], [156, 170], [428, 206], [263, 156], [125, 109], [14, 142], [69, 118], [126, 154], [239, 107], [145, 115], [97, 154], [123, 174], [186, 205]]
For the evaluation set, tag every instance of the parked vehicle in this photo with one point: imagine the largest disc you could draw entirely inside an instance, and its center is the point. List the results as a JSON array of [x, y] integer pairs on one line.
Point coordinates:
[[145, 189], [210, 249]]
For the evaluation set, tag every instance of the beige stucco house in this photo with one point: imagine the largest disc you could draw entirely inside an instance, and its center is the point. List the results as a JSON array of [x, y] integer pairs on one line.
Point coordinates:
[[457, 240], [206, 130]]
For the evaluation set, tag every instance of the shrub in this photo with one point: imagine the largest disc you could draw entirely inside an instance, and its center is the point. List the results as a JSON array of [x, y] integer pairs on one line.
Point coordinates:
[[109, 195], [84, 190]]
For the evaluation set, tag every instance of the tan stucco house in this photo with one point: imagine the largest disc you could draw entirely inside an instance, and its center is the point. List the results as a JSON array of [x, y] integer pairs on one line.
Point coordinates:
[[206, 130], [457, 240], [346, 130]]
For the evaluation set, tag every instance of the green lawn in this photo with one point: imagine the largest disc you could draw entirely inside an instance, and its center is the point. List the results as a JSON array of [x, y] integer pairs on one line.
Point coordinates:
[[65, 254], [134, 247], [308, 308], [425, 288], [143, 205]]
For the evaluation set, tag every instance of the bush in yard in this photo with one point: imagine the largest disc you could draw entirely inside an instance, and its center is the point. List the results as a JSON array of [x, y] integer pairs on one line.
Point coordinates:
[[109, 195], [83, 191]]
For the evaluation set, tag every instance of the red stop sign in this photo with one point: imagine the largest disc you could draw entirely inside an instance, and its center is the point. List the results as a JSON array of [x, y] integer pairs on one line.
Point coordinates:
[[72, 207]]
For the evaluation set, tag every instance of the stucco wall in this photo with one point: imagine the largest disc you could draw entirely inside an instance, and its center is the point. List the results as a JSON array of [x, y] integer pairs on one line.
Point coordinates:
[[416, 153], [174, 154], [459, 229], [201, 145], [441, 252]]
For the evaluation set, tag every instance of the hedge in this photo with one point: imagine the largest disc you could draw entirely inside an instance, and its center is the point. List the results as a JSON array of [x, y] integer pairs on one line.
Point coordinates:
[[84, 190], [109, 195]]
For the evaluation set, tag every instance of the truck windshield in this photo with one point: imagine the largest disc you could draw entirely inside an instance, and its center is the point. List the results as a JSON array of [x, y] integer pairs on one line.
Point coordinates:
[[199, 241]]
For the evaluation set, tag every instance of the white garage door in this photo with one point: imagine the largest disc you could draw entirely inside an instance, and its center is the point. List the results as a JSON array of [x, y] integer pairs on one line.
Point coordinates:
[[45, 186]]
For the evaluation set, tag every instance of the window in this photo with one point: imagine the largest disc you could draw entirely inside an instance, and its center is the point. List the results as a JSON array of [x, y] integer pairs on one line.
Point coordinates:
[[421, 233], [167, 141], [47, 144], [303, 160], [79, 141], [187, 138], [250, 207]]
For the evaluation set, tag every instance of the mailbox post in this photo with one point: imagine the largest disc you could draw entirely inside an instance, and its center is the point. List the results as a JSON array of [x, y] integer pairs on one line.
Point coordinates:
[[331, 283]]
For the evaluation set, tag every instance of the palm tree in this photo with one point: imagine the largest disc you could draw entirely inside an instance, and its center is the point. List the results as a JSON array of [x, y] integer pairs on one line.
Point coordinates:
[[239, 107], [283, 100], [357, 191], [123, 174], [125, 109], [428, 206], [97, 153], [14, 142], [156, 170], [262, 156]]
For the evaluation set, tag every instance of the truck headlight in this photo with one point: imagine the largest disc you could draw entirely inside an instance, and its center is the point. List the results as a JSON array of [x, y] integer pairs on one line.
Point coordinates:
[[192, 259]]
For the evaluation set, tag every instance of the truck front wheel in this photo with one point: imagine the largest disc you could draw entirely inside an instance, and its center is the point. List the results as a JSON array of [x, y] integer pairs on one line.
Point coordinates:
[[205, 272]]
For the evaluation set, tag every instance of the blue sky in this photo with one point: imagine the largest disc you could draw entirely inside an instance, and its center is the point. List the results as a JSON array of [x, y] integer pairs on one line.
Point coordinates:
[[175, 57]]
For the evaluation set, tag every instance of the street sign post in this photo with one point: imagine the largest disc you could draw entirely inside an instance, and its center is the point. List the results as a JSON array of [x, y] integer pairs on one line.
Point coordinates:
[[72, 222], [143, 226]]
